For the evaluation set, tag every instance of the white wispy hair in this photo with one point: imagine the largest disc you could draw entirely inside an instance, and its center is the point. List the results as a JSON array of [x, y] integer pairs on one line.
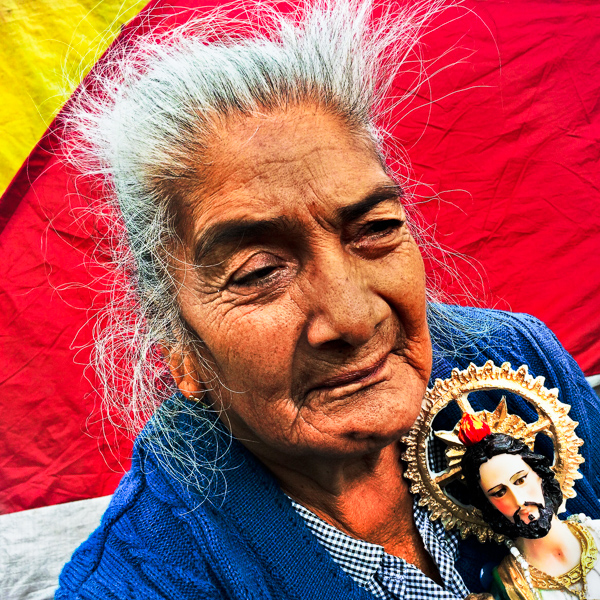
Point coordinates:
[[142, 121]]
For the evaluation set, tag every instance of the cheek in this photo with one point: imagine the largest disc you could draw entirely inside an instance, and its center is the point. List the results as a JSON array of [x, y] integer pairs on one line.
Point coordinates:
[[403, 273], [405, 289], [399, 279], [504, 505], [253, 348]]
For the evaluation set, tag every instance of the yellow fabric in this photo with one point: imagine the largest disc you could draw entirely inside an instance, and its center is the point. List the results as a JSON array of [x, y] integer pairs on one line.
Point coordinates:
[[46, 46]]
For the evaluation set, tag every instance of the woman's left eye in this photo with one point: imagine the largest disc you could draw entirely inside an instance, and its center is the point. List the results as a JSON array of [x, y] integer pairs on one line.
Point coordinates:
[[381, 228], [377, 237], [521, 480]]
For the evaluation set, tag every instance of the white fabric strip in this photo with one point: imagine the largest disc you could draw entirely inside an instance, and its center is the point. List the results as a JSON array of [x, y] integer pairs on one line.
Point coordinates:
[[594, 381], [35, 544]]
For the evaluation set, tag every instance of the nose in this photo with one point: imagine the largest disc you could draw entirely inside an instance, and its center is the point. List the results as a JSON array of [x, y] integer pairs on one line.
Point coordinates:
[[518, 497], [345, 307]]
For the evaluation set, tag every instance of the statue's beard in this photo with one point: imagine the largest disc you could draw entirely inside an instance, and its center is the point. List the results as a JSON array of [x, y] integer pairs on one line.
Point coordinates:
[[534, 529], [531, 530]]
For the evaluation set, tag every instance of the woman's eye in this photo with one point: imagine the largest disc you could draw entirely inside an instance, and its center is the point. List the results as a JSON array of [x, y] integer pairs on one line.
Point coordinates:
[[254, 277], [499, 493], [377, 236], [377, 229], [521, 480]]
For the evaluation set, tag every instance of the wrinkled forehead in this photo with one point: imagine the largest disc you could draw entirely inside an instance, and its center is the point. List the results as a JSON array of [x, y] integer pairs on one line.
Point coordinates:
[[266, 166]]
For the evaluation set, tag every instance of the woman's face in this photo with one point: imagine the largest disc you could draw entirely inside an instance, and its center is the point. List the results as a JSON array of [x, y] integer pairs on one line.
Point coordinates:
[[306, 289]]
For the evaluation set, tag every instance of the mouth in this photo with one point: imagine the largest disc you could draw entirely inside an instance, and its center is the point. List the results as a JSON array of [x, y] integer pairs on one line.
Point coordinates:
[[354, 380], [528, 515]]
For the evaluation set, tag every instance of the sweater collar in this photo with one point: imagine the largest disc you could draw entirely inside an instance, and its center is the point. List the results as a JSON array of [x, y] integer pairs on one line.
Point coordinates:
[[244, 493]]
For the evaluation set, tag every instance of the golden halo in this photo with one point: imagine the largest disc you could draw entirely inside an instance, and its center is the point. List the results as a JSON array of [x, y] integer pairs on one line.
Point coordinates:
[[553, 421]]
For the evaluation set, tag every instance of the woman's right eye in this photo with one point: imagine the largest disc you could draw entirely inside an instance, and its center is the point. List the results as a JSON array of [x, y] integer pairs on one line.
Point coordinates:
[[254, 277], [260, 269]]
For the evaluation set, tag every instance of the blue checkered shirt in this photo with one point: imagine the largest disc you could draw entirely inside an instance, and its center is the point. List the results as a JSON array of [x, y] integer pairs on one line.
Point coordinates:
[[387, 576]]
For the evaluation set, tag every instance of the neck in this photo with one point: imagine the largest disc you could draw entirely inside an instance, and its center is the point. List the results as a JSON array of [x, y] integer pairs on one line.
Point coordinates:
[[359, 496], [366, 497]]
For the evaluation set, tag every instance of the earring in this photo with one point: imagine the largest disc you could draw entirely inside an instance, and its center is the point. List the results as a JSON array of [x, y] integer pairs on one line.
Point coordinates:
[[197, 400]]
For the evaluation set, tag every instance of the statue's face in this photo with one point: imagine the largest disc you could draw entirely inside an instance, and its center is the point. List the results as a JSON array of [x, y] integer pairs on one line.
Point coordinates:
[[512, 487]]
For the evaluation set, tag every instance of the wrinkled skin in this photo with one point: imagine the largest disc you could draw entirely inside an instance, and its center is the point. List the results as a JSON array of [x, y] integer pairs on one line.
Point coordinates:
[[314, 326], [300, 278]]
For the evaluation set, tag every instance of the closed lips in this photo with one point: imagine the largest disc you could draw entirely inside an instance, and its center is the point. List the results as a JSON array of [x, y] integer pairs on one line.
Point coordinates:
[[352, 377]]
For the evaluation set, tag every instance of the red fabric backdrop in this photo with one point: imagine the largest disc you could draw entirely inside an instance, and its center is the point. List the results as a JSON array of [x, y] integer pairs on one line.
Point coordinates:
[[511, 161]]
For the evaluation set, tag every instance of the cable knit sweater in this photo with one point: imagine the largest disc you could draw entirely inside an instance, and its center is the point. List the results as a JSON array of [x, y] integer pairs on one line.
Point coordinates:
[[240, 538]]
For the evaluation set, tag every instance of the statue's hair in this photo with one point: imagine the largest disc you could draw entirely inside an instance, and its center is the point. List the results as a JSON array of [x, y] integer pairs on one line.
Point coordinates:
[[141, 123]]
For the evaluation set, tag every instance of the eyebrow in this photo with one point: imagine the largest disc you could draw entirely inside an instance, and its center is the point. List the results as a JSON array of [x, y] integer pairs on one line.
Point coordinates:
[[519, 474], [377, 195], [238, 232]]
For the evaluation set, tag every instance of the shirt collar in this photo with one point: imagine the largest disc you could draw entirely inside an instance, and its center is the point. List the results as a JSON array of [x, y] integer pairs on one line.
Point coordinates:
[[434, 533], [359, 559], [363, 561]]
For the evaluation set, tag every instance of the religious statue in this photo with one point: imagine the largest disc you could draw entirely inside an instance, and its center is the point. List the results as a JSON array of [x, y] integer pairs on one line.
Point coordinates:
[[511, 494]]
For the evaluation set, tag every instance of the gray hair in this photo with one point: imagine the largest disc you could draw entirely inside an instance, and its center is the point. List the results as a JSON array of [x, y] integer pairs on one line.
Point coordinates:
[[140, 125]]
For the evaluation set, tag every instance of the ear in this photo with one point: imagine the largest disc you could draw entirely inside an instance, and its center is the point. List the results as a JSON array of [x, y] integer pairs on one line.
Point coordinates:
[[184, 370]]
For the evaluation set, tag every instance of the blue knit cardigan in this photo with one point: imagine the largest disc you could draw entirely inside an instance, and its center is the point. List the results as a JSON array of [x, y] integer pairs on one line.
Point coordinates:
[[241, 539]]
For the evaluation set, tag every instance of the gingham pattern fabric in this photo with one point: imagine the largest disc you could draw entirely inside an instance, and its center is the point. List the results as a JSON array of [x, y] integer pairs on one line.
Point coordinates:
[[436, 454], [387, 576]]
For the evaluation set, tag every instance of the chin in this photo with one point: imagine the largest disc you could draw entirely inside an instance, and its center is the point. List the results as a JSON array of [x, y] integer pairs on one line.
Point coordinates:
[[350, 446], [365, 421], [349, 440], [389, 412], [539, 528], [375, 430]]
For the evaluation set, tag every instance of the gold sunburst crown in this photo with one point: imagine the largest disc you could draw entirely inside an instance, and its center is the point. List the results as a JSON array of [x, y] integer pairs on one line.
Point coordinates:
[[553, 421]]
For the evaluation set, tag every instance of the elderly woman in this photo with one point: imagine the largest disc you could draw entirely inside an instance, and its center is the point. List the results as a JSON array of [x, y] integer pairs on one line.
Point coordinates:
[[272, 269]]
